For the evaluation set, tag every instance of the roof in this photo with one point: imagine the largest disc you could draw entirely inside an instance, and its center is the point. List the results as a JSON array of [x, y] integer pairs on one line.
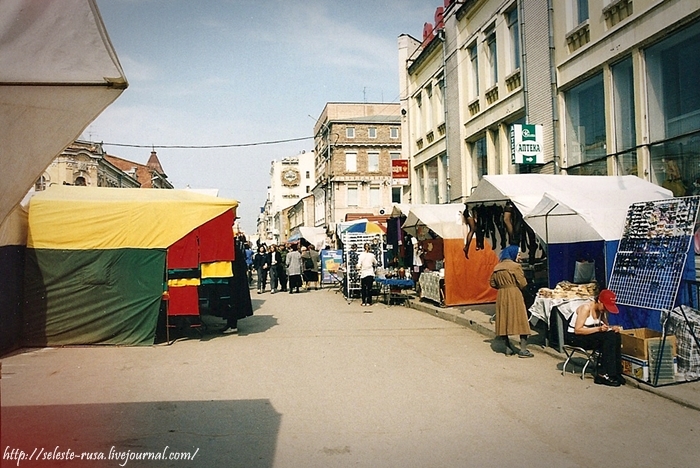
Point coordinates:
[[66, 217], [568, 208]]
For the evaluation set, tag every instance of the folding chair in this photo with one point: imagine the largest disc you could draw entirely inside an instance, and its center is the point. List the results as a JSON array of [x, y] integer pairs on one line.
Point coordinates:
[[590, 356]]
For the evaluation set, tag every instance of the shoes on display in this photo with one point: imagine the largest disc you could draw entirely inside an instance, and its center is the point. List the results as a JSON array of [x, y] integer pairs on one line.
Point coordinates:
[[605, 379]]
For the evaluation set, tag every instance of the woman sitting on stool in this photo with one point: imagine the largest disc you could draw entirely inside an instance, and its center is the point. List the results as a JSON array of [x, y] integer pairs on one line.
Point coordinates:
[[588, 329]]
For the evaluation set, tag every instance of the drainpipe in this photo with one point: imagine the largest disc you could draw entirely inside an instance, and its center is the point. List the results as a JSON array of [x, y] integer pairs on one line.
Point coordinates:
[[441, 35], [553, 81]]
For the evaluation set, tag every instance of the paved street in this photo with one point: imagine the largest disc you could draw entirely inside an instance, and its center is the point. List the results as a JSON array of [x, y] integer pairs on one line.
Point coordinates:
[[311, 381]]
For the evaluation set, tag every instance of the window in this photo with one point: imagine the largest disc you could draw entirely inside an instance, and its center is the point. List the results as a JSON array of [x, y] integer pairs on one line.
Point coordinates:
[[585, 121], [493, 58], [674, 111], [352, 195], [375, 196], [308, 189], [432, 191], [623, 98], [514, 35], [474, 60], [673, 94], [308, 174], [394, 155], [373, 161], [350, 132], [396, 195], [351, 162], [372, 132], [581, 11], [480, 157], [42, 183], [393, 132]]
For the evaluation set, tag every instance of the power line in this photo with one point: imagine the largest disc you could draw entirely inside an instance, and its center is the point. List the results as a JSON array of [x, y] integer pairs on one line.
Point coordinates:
[[235, 145]]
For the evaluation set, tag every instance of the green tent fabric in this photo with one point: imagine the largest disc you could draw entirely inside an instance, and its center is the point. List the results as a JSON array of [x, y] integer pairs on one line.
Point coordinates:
[[94, 296]]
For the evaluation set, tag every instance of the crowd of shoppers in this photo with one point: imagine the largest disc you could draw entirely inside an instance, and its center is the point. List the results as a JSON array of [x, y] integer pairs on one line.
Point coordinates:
[[288, 267]]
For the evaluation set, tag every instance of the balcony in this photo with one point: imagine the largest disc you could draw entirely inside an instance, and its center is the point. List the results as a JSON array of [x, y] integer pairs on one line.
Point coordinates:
[[492, 94], [579, 36], [441, 129], [617, 11], [513, 80], [419, 143], [430, 137], [474, 107]]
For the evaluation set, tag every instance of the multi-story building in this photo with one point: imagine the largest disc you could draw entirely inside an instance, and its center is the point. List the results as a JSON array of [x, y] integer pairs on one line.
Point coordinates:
[[291, 179], [627, 89], [355, 145], [467, 83], [608, 83], [149, 175], [85, 163]]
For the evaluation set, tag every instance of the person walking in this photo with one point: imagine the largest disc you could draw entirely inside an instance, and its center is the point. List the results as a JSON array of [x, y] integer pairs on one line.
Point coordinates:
[[283, 267], [366, 262], [511, 315], [275, 265], [261, 262], [249, 261], [294, 269]]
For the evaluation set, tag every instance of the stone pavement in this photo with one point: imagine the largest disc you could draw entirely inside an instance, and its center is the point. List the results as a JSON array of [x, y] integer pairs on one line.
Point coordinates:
[[477, 317]]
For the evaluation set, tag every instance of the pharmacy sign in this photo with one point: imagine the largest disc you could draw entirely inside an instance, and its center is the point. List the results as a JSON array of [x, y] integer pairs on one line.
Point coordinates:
[[526, 144]]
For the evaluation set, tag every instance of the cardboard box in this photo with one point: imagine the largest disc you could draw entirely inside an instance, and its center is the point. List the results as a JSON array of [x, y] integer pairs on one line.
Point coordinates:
[[639, 369], [637, 341]]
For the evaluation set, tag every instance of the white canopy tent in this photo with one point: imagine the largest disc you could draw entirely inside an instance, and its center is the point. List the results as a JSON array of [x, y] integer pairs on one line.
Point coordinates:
[[58, 72], [444, 220], [564, 209]]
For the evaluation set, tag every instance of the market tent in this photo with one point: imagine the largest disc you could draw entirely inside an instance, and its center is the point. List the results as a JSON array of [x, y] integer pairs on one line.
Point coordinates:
[[313, 235], [13, 240], [96, 260], [367, 227], [58, 72], [466, 280], [579, 217]]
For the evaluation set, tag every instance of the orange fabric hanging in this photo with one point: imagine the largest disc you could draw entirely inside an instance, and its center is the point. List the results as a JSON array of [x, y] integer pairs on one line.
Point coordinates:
[[467, 281]]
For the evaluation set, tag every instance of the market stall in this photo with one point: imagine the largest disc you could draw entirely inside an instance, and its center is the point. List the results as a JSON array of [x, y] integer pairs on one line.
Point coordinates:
[[575, 218], [96, 260], [58, 72], [440, 231]]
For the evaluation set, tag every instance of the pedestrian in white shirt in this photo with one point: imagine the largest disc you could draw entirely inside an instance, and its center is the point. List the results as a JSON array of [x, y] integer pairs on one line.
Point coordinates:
[[366, 262]]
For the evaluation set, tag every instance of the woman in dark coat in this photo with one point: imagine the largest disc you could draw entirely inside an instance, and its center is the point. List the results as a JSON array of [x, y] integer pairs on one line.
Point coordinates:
[[241, 305], [511, 315], [261, 263]]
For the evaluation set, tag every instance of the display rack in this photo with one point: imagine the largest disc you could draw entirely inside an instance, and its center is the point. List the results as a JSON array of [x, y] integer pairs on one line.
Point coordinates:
[[652, 253], [651, 258], [350, 255]]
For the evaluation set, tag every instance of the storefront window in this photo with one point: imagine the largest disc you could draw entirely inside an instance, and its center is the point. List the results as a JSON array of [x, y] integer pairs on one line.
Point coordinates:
[[432, 186], [627, 163], [480, 158], [623, 96], [585, 122], [673, 66], [674, 165]]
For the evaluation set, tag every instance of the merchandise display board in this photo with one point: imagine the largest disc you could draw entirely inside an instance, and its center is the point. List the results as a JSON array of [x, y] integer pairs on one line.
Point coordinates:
[[653, 251], [354, 245]]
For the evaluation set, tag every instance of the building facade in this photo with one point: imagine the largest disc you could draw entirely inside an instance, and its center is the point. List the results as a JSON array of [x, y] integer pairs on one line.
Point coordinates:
[[85, 163], [608, 83], [467, 83], [355, 144], [627, 89], [149, 175], [291, 179]]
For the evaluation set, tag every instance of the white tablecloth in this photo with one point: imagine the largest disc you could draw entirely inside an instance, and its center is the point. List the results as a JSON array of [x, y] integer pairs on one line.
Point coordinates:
[[542, 307]]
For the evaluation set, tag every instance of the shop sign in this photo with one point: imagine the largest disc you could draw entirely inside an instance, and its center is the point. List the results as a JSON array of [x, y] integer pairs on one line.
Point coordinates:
[[526, 144], [399, 172]]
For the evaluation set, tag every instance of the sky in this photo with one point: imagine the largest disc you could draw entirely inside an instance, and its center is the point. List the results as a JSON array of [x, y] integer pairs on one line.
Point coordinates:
[[244, 72]]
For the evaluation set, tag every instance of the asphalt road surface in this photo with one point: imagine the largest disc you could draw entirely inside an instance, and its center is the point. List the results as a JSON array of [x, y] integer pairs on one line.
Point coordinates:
[[312, 381]]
